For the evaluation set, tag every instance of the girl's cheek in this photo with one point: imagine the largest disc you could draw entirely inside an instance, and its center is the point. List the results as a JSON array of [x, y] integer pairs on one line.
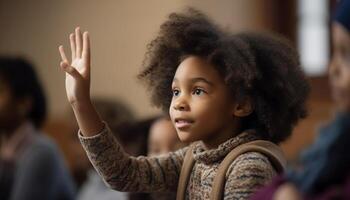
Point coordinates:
[[170, 108]]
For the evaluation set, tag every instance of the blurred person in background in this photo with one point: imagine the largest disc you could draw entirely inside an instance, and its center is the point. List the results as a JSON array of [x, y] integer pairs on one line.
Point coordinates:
[[324, 171], [31, 165], [130, 132], [163, 139], [115, 112]]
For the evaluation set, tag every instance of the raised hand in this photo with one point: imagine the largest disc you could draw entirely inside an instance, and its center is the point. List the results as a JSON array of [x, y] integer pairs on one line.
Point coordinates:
[[78, 70], [78, 83]]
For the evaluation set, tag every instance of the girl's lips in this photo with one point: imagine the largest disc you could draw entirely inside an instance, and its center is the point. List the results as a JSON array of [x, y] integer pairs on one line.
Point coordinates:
[[183, 123]]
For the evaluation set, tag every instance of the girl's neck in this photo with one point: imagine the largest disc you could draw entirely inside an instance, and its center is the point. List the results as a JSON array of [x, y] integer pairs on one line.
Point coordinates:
[[223, 136]]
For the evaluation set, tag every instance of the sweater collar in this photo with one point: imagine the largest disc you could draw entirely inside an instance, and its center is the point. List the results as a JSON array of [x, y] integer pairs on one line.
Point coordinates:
[[215, 155]]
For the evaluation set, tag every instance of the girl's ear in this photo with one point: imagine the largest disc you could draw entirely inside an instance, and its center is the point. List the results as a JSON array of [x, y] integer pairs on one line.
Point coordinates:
[[244, 107]]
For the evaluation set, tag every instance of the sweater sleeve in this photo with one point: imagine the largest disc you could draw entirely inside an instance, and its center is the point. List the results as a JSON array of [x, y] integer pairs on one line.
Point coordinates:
[[247, 174], [134, 174]]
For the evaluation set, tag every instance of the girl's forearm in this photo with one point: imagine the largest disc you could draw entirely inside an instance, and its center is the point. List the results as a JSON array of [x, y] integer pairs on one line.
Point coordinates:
[[89, 121], [78, 83]]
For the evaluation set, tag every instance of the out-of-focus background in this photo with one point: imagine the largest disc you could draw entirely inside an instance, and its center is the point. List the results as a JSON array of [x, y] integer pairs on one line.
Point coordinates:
[[120, 30]]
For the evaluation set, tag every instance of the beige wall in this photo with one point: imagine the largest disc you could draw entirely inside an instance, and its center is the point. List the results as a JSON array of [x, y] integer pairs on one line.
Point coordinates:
[[120, 30]]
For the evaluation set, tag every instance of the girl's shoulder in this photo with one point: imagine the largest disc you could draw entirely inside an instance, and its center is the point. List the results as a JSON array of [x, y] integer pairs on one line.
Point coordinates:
[[251, 164], [248, 172]]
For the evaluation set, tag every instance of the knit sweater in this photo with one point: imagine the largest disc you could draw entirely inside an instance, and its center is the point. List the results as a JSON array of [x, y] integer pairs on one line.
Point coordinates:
[[122, 172]]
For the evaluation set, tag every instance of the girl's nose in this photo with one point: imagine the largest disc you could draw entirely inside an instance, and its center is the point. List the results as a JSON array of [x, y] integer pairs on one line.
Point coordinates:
[[181, 105]]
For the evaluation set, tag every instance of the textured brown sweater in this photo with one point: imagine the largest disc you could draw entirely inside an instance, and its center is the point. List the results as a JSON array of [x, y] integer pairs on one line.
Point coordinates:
[[122, 172]]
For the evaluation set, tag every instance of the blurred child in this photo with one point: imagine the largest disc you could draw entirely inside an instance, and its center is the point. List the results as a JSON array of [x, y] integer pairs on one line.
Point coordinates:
[[116, 114], [162, 140]]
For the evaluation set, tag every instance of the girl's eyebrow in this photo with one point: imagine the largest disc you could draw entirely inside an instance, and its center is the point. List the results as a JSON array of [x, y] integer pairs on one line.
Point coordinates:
[[201, 79], [196, 80]]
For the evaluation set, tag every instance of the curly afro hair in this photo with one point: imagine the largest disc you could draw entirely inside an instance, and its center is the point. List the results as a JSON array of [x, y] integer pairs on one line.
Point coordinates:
[[264, 67]]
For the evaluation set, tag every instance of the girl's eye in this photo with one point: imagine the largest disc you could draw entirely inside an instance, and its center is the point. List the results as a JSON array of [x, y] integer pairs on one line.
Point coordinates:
[[198, 91], [176, 92]]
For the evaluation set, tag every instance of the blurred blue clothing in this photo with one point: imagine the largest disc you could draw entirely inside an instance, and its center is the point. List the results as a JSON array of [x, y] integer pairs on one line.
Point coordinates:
[[327, 161], [342, 14], [39, 172], [95, 189]]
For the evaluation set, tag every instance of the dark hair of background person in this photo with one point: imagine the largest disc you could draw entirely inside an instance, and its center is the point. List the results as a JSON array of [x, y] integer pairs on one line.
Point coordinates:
[[23, 81]]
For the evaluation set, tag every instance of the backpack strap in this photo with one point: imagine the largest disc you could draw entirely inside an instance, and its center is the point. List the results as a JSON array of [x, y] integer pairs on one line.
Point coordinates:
[[185, 173], [269, 149]]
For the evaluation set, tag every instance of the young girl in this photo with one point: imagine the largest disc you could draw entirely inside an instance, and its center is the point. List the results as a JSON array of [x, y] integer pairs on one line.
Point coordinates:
[[221, 90]]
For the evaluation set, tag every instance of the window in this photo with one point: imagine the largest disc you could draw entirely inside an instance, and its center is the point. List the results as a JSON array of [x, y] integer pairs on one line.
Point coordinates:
[[313, 36]]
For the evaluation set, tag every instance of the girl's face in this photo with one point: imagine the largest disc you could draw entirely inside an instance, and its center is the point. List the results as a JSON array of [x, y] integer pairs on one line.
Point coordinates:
[[339, 70], [202, 104]]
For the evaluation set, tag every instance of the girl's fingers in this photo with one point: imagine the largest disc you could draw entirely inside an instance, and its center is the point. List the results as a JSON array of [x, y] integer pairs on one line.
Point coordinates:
[[78, 42], [86, 47], [72, 44], [69, 69], [63, 55]]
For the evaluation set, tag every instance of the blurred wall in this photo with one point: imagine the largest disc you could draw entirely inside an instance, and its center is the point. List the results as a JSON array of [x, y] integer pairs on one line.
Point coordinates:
[[120, 30]]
